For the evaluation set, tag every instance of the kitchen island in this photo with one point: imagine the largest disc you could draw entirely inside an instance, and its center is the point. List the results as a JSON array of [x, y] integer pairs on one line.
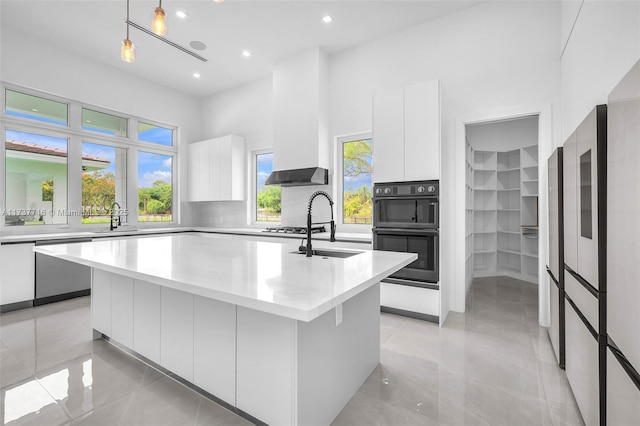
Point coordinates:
[[274, 335]]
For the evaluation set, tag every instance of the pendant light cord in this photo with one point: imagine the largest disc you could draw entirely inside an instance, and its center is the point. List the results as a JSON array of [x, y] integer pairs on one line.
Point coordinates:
[[128, 19]]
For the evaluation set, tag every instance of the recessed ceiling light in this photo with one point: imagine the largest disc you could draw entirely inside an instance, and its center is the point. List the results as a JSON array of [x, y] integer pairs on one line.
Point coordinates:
[[87, 121], [218, 1], [34, 109], [246, 53], [181, 14], [196, 75], [327, 19]]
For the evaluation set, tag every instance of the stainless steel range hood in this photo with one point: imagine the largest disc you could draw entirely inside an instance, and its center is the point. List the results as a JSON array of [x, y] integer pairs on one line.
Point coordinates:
[[299, 177]]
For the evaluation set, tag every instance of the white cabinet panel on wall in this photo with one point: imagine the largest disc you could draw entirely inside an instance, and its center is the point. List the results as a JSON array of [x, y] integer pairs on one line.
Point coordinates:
[[388, 136], [146, 320], [176, 332], [422, 131], [406, 133], [214, 351], [17, 266], [217, 169]]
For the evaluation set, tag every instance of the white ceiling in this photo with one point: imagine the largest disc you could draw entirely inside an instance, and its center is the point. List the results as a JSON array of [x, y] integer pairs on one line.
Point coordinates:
[[271, 30]]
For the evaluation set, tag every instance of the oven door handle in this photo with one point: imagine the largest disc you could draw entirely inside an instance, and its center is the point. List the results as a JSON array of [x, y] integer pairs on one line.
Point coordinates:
[[404, 231], [411, 198]]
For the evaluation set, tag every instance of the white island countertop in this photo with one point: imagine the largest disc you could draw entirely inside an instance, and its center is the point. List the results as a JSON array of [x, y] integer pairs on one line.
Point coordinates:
[[263, 276]]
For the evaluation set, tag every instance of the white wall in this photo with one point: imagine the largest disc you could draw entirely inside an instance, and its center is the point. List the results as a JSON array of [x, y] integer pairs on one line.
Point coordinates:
[[33, 63], [504, 135], [603, 45]]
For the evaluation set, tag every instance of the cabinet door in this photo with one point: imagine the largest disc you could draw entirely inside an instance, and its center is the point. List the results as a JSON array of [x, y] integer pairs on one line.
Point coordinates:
[[122, 310], [213, 165], [176, 332], [17, 267], [198, 171], [422, 131], [214, 350], [388, 136], [146, 320], [101, 301]]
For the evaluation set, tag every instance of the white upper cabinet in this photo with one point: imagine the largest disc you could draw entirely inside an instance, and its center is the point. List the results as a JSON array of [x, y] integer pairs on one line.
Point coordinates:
[[217, 169], [406, 133]]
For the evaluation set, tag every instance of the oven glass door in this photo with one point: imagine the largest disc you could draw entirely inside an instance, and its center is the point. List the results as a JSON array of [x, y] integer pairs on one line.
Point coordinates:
[[422, 242], [406, 212]]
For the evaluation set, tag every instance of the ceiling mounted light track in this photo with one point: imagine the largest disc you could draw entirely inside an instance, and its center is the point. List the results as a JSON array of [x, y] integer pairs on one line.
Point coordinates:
[[166, 40], [159, 24], [128, 49]]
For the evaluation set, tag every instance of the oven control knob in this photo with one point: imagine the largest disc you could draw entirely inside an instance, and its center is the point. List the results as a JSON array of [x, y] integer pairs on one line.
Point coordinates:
[[421, 189], [431, 188], [387, 190], [378, 191]]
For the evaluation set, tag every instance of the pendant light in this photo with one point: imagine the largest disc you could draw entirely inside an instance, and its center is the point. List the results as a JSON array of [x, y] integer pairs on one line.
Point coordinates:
[[128, 49], [159, 25]]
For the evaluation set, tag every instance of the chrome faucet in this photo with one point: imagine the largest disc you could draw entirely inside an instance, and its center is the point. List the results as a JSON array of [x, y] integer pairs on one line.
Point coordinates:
[[112, 219], [332, 238]]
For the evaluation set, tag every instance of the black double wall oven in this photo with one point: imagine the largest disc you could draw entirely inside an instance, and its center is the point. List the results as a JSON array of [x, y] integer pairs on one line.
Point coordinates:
[[406, 219]]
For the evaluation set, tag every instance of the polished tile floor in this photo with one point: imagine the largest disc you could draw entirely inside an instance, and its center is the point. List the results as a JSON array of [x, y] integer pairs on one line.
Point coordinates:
[[490, 366]]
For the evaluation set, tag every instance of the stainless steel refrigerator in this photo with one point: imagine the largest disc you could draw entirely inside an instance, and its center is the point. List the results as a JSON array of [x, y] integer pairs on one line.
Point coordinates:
[[623, 252], [555, 268]]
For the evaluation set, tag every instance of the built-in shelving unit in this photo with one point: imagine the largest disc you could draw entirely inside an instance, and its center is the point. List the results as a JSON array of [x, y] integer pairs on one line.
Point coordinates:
[[502, 204], [469, 216]]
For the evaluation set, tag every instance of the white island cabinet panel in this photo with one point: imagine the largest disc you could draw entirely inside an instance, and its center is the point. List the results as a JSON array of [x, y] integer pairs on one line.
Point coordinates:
[[146, 320], [388, 136], [101, 301], [265, 366], [176, 332], [17, 270], [122, 309], [214, 350]]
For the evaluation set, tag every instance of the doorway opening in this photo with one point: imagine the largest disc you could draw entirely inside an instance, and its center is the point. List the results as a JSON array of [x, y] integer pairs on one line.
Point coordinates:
[[502, 199]]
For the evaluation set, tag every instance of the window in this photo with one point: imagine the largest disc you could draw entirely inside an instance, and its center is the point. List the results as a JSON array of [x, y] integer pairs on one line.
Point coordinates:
[[115, 161], [104, 123], [155, 134], [268, 197], [36, 183], [36, 108], [155, 187], [357, 182], [104, 182]]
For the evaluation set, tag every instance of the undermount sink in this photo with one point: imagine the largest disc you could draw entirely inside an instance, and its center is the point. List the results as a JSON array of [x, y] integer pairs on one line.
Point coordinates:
[[115, 231], [330, 253]]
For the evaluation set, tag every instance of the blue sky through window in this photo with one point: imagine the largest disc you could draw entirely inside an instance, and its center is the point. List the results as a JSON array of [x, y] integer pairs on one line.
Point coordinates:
[[102, 151], [264, 167], [39, 140], [35, 117], [153, 167]]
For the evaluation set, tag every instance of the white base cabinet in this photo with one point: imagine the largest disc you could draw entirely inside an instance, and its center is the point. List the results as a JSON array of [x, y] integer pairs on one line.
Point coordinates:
[[279, 370], [17, 271]]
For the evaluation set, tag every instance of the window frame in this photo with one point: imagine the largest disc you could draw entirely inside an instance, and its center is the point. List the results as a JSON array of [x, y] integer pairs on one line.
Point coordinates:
[[252, 211], [76, 136], [338, 181]]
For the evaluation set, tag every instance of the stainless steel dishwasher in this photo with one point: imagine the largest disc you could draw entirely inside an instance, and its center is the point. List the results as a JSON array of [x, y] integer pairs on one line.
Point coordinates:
[[58, 279]]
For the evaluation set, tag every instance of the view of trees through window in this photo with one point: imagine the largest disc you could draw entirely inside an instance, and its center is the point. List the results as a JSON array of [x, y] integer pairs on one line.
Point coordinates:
[[357, 182], [268, 197], [155, 191]]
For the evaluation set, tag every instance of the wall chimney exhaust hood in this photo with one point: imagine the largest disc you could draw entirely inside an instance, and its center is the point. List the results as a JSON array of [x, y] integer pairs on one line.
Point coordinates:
[[301, 142], [299, 177]]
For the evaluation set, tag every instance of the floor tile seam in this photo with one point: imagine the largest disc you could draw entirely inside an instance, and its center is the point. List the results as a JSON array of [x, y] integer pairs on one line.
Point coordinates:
[[544, 390], [62, 407], [488, 385]]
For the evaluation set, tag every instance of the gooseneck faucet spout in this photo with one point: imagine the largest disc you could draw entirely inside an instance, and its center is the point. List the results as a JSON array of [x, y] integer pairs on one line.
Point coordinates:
[[112, 219], [332, 238]]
